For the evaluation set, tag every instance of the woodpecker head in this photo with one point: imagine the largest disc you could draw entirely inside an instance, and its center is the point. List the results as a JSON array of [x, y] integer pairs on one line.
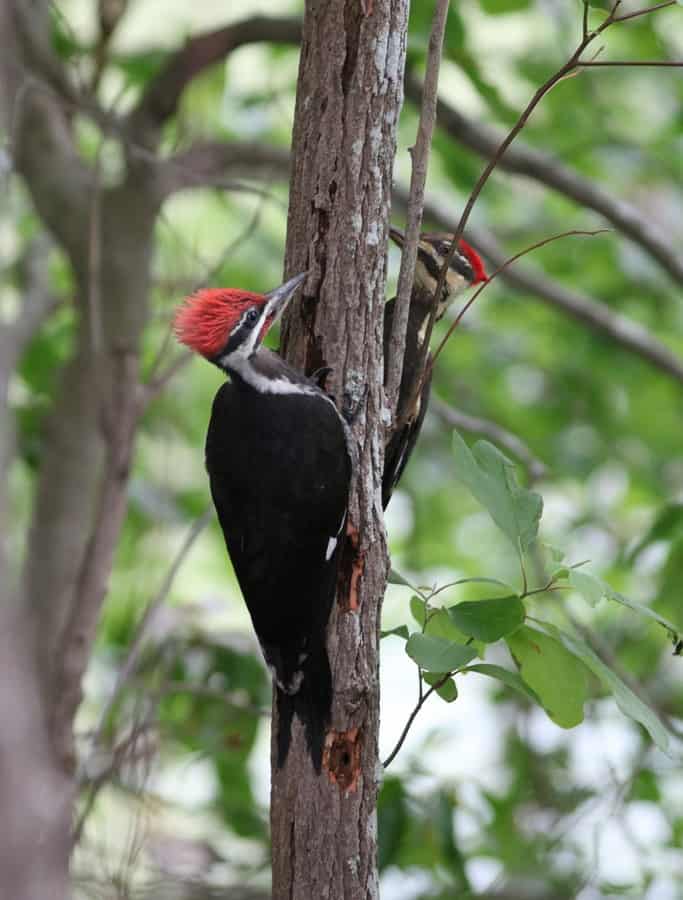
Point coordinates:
[[227, 325], [465, 270]]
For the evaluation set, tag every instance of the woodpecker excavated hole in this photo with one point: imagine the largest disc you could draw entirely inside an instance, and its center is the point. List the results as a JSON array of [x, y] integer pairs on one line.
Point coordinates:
[[342, 758], [351, 568]]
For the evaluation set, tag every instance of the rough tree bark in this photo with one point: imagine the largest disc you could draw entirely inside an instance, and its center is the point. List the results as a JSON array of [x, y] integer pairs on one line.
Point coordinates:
[[349, 96]]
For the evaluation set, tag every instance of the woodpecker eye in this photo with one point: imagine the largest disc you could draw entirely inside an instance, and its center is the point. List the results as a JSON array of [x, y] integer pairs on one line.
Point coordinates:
[[252, 316]]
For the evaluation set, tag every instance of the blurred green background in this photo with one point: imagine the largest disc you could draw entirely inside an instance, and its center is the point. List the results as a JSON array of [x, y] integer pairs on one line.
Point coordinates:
[[488, 798]]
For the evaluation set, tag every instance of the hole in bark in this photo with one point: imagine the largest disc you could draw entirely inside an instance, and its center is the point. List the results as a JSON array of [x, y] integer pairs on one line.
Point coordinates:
[[342, 758], [351, 567]]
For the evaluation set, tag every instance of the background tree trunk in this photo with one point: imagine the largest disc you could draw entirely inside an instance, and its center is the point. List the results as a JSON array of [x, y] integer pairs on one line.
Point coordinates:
[[349, 96]]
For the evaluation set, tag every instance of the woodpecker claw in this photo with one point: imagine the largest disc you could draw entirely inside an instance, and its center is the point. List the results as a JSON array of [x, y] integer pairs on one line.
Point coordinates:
[[319, 377]]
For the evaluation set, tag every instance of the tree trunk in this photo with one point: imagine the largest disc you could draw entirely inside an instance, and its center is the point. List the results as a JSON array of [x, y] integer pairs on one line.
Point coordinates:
[[349, 96]]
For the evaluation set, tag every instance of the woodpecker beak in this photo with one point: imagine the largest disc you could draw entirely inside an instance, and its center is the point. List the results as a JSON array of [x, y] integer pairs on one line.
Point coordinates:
[[278, 299]]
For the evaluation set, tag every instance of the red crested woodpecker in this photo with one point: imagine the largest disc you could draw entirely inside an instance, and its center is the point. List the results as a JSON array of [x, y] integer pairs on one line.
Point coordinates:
[[279, 469], [465, 270]]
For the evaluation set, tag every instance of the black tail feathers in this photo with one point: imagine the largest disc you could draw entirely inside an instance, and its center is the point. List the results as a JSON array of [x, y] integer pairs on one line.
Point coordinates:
[[312, 703]]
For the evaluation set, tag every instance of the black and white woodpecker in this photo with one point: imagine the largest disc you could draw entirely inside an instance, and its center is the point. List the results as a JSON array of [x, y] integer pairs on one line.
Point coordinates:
[[466, 270], [279, 468]]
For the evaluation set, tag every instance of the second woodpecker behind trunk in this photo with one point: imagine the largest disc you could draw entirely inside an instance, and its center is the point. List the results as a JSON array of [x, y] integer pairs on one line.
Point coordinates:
[[466, 269]]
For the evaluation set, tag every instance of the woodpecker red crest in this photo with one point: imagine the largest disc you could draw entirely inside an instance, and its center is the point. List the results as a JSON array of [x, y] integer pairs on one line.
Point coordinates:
[[465, 270], [220, 323], [475, 261], [206, 320]]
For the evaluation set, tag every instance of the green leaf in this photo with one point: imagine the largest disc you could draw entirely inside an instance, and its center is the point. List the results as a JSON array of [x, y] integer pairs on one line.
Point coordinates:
[[511, 679], [490, 478], [400, 631], [591, 588], [395, 577], [553, 672], [440, 624], [644, 611], [418, 610], [555, 553], [629, 703], [489, 620], [447, 691], [437, 654], [392, 815]]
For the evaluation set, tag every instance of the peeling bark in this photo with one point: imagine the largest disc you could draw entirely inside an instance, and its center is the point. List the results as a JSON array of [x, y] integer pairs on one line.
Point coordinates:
[[349, 96]]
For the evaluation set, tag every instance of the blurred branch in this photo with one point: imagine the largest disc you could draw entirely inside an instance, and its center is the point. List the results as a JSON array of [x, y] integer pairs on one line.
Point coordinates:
[[121, 416], [129, 667], [38, 301], [568, 69], [206, 164], [162, 95], [492, 430], [631, 335], [599, 317], [420, 160], [38, 125], [522, 159]]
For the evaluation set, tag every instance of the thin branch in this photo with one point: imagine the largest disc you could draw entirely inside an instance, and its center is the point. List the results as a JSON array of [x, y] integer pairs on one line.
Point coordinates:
[[630, 63], [420, 161], [158, 380], [505, 265], [522, 159], [629, 334], [130, 664], [492, 430], [422, 699], [645, 11], [572, 64], [205, 163], [601, 319], [76, 640]]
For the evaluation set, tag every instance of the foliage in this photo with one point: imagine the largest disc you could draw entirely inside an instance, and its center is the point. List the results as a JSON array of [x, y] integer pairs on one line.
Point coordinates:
[[548, 812]]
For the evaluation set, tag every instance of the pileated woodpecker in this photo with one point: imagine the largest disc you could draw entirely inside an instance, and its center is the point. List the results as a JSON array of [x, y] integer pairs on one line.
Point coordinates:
[[466, 269], [279, 468]]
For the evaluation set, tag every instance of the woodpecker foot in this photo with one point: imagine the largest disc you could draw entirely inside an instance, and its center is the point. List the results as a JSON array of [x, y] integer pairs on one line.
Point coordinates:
[[320, 376]]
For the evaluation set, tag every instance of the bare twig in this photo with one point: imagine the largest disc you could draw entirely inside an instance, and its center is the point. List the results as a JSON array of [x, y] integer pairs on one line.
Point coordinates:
[[75, 642], [422, 699], [158, 380], [601, 319], [505, 265], [630, 63], [129, 666], [645, 11], [627, 333], [420, 161], [499, 435], [522, 159], [573, 63]]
